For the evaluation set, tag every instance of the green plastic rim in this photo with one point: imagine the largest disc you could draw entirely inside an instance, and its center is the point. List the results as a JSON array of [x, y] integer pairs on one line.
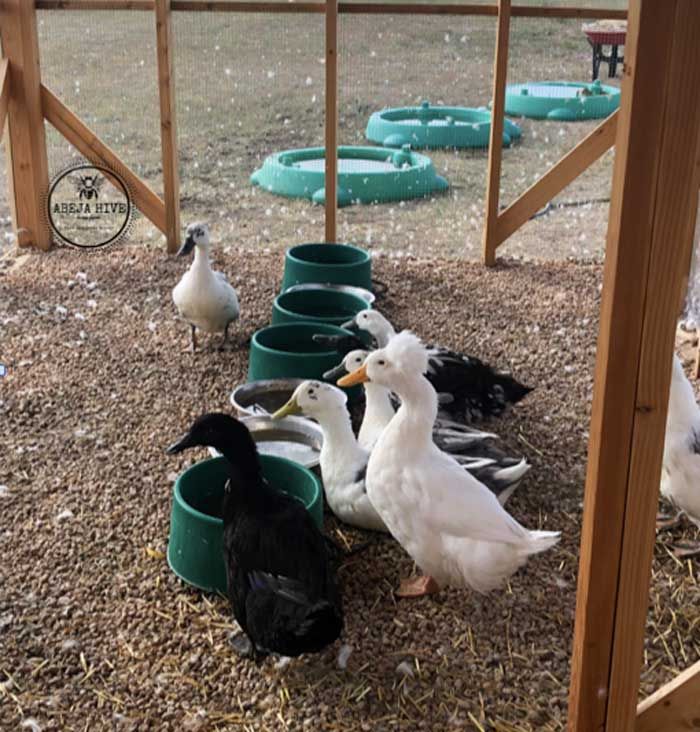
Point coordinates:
[[436, 126], [195, 544], [365, 175], [322, 306], [563, 101], [335, 264]]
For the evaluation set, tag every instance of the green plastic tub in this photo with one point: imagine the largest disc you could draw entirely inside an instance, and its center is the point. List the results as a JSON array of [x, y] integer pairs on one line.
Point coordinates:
[[195, 552], [365, 175], [336, 264], [319, 306], [562, 100], [289, 351], [430, 126]]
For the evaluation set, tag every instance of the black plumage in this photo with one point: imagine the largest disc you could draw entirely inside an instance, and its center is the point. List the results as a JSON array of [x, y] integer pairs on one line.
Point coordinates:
[[281, 577]]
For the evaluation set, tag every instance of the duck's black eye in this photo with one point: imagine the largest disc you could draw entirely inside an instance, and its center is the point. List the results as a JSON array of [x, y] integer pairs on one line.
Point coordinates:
[[381, 362], [311, 391]]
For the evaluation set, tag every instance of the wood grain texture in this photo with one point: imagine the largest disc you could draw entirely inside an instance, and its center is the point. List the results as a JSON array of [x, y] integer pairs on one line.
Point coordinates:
[[646, 259], [168, 124], [675, 707], [4, 92], [89, 144], [26, 137], [560, 175], [331, 138], [379, 8], [493, 176]]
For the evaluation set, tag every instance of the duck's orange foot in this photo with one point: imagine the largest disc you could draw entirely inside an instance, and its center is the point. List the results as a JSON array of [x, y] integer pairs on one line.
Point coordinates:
[[418, 587]]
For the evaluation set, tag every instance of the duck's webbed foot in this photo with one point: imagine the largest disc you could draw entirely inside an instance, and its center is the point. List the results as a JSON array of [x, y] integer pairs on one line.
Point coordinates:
[[242, 645], [417, 587], [225, 344]]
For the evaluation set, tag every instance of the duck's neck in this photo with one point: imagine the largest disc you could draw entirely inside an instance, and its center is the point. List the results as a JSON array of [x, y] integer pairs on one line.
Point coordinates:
[[201, 258], [385, 335], [418, 410], [340, 449], [247, 487], [378, 412]]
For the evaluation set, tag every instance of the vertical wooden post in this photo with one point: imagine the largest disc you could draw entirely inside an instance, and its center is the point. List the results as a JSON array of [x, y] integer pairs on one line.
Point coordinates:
[[168, 125], [331, 145], [493, 180], [28, 168], [646, 260]]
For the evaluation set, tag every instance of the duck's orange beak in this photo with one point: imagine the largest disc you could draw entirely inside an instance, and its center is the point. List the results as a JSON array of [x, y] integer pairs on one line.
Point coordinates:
[[358, 376]]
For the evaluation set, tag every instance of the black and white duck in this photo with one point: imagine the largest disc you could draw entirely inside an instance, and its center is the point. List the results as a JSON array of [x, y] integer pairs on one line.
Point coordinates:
[[475, 450], [280, 572], [468, 389]]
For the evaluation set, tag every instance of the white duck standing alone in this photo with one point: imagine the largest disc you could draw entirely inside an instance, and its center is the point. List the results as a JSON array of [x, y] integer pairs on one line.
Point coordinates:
[[343, 461], [473, 449], [204, 297], [468, 389], [453, 527], [680, 473]]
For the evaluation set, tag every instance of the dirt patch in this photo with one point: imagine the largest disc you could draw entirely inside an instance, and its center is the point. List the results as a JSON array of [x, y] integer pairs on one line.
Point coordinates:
[[96, 631]]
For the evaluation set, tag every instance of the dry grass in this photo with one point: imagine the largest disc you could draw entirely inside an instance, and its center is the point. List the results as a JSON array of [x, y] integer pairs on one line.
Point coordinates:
[[96, 633]]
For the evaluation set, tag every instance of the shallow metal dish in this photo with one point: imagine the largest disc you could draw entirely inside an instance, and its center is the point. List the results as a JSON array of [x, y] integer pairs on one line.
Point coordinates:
[[295, 438], [263, 397], [358, 291]]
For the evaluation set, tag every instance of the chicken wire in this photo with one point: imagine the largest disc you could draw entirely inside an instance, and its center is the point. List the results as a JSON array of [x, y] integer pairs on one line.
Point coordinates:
[[247, 85], [398, 61], [102, 65]]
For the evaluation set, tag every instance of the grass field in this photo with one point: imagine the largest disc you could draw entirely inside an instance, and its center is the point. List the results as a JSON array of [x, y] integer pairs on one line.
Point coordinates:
[[250, 84]]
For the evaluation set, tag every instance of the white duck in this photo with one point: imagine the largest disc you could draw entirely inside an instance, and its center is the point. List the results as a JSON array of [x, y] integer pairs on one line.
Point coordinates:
[[680, 474], [473, 449], [204, 297], [468, 389], [343, 461], [453, 527]]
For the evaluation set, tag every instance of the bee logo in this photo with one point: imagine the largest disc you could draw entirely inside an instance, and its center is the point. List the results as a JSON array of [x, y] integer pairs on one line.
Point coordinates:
[[88, 186]]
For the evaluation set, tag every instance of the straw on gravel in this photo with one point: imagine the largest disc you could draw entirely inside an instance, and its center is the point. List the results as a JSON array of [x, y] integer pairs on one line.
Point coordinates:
[[96, 633]]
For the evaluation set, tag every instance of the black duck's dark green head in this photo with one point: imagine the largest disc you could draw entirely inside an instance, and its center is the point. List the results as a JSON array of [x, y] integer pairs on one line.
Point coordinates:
[[225, 434]]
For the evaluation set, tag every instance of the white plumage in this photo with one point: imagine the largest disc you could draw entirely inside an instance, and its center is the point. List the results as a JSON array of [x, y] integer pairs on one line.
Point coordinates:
[[204, 297], [680, 475], [451, 524]]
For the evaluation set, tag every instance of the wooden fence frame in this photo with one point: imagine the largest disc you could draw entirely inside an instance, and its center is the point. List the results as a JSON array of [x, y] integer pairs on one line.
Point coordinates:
[[654, 200]]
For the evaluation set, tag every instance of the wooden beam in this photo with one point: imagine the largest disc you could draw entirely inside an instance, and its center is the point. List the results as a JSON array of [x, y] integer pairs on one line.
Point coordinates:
[[168, 124], [4, 92], [89, 144], [675, 707], [331, 142], [493, 180], [353, 8], [645, 263], [560, 175], [28, 167]]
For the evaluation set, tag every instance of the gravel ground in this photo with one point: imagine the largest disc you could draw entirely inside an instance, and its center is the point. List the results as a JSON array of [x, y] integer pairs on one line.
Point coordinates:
[[96, 633]]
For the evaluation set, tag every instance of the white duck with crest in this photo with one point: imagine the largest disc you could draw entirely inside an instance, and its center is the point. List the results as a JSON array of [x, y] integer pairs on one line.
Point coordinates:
[[451, 524]]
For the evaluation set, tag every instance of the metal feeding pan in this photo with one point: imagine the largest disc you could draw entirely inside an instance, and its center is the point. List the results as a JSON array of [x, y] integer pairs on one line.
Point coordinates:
[[357, 291]]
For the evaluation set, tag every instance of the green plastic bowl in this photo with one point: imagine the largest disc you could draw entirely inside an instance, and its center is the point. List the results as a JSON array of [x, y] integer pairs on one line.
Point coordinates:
[[318, 306], [337, 264], [195, 552]]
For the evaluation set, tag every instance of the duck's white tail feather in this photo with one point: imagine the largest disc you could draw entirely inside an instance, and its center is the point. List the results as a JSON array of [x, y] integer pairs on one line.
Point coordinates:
[[513, 473], [540, 541]]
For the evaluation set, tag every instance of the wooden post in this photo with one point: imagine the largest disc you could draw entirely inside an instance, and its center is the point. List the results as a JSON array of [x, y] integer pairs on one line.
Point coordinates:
[[4, 92], [168, 126], [646, 261], [331, 144], [28, 167], [674, 707], [493, 181]]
